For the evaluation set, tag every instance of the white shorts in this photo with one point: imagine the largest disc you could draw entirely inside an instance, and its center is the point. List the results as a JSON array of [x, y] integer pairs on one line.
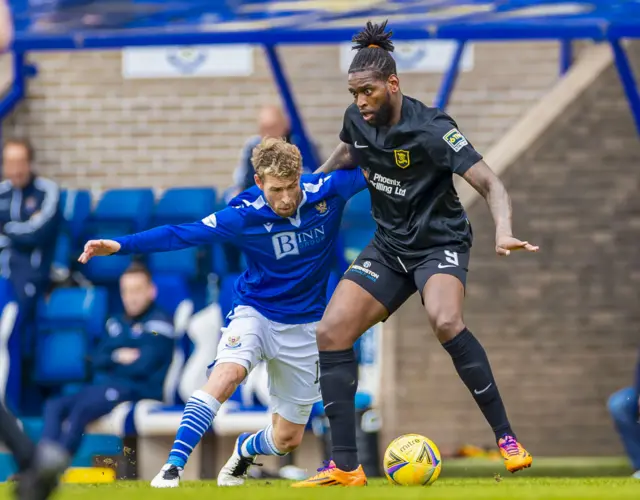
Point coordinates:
[[290, 352]]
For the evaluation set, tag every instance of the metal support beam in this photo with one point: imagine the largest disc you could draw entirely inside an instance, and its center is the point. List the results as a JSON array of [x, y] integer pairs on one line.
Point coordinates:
[[18, 88], [297, 127], [566, 56], [627, 79], [450, 77]]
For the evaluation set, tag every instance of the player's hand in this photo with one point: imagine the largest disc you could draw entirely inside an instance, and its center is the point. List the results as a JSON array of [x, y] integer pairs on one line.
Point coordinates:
[[126, 355], [505, 244], [98, 248]]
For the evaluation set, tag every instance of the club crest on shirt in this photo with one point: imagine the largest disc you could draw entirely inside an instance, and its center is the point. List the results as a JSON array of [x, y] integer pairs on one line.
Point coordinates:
[[455, 139], [233, 342], [403, 160], [322, 207]]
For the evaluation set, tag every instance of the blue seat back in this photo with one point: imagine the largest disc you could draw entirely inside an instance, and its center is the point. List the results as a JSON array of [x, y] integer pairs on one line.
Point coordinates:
[[75, 206], [61, 357], [183, 262], [123, 211], [172, 290], [84, 308], [180, 205]]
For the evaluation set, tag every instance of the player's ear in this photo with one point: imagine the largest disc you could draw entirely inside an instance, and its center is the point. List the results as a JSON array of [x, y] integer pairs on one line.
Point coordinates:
[[258, 181], [393, 83]]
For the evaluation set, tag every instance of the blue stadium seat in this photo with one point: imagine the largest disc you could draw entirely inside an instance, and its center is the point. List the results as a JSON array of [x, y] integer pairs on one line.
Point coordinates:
[[357, 225], [180, 205], [172, 290], [183, 262], [68, 325], [120, 211], [123, 211], [75, 206]]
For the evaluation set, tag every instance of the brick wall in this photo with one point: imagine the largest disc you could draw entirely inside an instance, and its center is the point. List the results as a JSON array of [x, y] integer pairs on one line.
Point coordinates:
[[93, 129], [561, 327]]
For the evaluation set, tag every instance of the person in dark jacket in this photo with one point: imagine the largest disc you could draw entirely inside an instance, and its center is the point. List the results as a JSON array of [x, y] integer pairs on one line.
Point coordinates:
[[130, 364], [624, 407], [29, 223]]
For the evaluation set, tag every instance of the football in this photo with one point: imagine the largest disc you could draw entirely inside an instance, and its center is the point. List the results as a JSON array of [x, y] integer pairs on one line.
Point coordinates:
[[412, 460]]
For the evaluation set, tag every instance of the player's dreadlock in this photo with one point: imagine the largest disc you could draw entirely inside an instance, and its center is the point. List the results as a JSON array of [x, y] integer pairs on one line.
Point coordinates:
[[374, 48]]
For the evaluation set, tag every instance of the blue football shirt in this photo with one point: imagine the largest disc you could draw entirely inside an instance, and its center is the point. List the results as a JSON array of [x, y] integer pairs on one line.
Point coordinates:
[[288, 259]]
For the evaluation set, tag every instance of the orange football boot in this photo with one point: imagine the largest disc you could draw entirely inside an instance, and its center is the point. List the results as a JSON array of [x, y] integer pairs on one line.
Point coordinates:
[[515, 456], [330, 475]]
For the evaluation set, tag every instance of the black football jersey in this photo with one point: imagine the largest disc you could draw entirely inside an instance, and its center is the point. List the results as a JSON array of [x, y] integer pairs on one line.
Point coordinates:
[[410, 168]]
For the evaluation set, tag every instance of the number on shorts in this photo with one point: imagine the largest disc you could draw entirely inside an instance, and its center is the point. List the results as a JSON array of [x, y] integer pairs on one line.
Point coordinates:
[[451, 257], [317, 372]]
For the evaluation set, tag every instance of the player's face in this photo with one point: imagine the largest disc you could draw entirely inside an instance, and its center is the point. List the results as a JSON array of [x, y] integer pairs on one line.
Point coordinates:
[[137, 293], [373, 96], [15, 165], [283, 195]]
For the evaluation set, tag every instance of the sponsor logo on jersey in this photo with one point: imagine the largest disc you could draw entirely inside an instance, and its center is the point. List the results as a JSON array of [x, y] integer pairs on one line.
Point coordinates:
[[290, 242], [403, 159], [455, 139], [322, 207], [387, 185]]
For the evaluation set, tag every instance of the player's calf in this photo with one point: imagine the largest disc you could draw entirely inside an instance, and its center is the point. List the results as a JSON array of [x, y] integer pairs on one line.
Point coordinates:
[[278, 439], [197, 417]]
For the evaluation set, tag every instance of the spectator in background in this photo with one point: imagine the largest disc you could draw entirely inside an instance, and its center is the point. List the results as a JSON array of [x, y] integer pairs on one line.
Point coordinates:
[[272, 122], [130, 364], [6, 26], [624, 406], [29, 224]]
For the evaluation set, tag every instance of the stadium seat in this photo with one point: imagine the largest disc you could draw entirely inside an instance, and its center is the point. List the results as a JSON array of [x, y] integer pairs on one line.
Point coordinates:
[[120, 211], [75, 206], [357, 226], [181, 262], [68, 325], [180, 205], [123, 210]]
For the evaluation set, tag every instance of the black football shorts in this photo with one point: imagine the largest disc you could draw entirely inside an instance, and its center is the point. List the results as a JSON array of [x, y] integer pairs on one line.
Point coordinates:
[[392, 282]]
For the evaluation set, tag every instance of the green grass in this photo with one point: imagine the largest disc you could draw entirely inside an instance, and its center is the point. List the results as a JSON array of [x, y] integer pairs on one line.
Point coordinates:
[[499, 488]]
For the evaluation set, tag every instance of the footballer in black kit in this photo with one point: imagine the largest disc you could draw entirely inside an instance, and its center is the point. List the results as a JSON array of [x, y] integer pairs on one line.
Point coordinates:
[[409, 152]]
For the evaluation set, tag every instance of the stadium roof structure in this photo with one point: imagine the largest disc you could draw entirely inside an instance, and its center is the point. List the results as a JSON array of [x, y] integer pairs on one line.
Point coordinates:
[[112, 24]]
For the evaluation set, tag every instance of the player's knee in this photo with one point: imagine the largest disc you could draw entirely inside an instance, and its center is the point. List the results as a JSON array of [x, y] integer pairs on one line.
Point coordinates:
[[224, 380], [447, 324], [623, 404], [287, 440], [331, 337]]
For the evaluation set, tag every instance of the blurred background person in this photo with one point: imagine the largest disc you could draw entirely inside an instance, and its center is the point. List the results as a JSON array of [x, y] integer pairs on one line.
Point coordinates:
[[6, 26], [130, 364], [624, 407], [29, 224]]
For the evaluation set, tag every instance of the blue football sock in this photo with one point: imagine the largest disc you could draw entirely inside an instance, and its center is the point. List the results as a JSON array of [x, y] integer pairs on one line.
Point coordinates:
[[260, 443], [198, 415]]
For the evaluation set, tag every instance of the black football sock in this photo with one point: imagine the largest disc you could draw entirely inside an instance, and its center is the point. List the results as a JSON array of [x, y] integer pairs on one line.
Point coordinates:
[[472, 364], [338, 383], [17, 441]]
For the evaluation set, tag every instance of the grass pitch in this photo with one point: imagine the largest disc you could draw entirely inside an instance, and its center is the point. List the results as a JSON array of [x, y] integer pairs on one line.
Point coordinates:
[[497, 488]]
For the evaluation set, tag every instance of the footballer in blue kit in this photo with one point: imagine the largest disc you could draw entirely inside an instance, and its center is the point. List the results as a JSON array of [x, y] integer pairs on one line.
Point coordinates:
[[287, 227]]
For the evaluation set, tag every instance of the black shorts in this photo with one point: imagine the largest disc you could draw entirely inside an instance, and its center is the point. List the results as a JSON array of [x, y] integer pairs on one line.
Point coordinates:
[[392, 282]]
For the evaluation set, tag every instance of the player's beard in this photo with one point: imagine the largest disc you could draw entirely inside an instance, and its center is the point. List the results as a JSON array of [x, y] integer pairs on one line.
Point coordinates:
[[383, 116]]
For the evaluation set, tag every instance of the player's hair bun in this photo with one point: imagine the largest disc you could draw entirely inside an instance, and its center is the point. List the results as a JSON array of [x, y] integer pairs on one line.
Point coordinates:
[[373, 35]]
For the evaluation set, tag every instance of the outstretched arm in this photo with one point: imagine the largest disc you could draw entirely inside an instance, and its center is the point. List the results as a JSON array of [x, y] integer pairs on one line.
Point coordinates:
[[6, 26], [489, 185], [339, 159], [222, 226]]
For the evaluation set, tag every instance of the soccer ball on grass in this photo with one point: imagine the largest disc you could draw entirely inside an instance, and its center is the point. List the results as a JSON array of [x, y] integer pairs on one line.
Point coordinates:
[[412, 460]]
